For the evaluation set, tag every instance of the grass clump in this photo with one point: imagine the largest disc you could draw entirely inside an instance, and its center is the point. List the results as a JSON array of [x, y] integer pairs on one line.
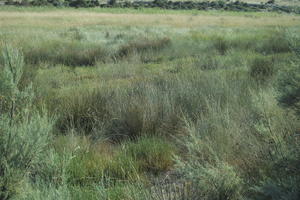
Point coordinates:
[[262, 68], [221, 44], [86, 167], [143, 46], [133, 161], [74, 53], [276, 42], [289, 87], [289, 79], [83, 111], [152, 154], [218, 182]]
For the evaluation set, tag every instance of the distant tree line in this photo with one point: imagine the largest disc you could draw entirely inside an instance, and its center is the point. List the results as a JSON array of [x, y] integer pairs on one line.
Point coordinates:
[[165, 4]]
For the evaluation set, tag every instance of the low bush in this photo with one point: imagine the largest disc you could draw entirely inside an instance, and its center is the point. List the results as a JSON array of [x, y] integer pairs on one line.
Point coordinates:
[[22, 146], [264, 138], [24, 134]]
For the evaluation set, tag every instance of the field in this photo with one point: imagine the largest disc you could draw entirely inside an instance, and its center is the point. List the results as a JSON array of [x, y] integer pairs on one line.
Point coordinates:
[[140, 104]]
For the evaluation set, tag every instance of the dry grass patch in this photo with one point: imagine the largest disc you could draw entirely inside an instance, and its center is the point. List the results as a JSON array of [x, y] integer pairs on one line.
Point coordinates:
[[69, 18]]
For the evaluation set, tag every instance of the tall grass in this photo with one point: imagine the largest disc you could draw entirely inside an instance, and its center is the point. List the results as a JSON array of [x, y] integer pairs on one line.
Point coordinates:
[[156, 113]]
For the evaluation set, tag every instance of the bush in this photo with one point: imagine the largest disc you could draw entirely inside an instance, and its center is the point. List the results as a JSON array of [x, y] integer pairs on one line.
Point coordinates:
[[22, 147], [219, 142], [83, 3], [112, 2], [24, 136], [11, 73]]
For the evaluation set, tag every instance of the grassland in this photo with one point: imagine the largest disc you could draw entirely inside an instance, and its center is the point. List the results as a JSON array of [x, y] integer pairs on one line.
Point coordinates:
[[125, 104]]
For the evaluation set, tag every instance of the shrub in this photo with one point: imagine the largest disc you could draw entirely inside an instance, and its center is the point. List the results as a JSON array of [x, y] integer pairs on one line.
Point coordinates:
[[112, 2], [219, 142], [284, 178], [24, 136], [10, 95], [22, 146], [83, 3]]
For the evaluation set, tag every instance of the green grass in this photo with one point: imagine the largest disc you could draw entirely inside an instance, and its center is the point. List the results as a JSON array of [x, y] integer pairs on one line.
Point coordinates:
[[147, 103]]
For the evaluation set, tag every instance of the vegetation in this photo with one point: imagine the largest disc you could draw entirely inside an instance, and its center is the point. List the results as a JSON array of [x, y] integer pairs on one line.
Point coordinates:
[[186, 106], [164, 4]]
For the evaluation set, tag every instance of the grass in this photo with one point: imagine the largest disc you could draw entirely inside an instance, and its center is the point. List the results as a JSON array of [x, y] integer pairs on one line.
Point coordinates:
[[149, 103], [87, 18]]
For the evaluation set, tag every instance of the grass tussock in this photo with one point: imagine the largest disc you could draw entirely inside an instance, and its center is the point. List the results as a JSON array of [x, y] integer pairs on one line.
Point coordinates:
[[142, 46], [66, 53], [262, 68]]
